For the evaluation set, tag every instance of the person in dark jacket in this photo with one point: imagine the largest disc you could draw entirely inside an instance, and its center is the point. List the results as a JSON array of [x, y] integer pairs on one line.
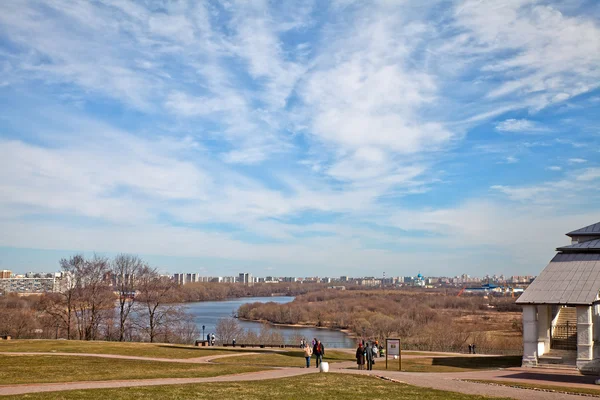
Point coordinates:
[[360, 356], [369, 357], [318, 352]]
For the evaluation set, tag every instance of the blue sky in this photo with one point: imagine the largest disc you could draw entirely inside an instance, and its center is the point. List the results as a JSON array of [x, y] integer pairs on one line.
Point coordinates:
[[299, 138]]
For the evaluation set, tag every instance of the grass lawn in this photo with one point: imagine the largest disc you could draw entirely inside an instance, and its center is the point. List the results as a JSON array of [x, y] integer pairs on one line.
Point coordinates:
[[450, 364], [158, 350], [314, 387], [44, 369], [557, 388], [284, 359]]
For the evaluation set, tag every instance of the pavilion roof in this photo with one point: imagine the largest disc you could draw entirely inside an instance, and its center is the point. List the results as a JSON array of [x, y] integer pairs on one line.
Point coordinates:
[[590, 230], [569, 279], [589, 246]]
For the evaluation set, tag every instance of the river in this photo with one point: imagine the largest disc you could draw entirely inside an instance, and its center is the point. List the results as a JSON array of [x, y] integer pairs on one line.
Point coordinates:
[[207, 313]]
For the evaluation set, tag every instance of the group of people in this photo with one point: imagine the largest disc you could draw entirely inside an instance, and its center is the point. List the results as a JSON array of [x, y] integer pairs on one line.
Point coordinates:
[[314, 348], [366, 354], [210, 338]]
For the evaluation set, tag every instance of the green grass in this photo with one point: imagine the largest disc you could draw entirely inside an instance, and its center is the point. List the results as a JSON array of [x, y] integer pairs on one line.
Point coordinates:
[[313, 386], [450, 364], [44, 369], [294, 358], [557, 388], [157, 350]]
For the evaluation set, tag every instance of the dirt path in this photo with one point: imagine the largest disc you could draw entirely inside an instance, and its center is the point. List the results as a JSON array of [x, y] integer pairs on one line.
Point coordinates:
[[454, 382], [54, 387], [196, 360]]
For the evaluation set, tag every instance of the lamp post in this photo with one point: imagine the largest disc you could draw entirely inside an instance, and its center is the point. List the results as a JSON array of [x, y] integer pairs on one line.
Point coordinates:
[[203, 332]]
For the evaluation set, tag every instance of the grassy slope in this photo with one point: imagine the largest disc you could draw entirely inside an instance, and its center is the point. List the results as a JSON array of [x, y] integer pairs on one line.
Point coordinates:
[[285, 359], [557, 388], [43, 369], [314, 387], [127, 349], [450, 364]]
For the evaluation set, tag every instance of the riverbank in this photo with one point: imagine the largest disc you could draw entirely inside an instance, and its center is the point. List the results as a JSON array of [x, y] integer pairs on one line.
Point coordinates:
[[347, 332]]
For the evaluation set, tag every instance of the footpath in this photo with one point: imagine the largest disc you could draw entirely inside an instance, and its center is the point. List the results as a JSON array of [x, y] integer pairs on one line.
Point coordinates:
[[455, 382]]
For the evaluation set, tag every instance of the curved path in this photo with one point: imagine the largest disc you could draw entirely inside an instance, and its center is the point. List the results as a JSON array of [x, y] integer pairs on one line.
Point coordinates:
[[443, 381], [196, 360]]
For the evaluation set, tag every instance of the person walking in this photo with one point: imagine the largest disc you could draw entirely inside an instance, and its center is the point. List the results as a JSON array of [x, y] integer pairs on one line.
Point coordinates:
[[318, 352], [369, 357], [212, 339], [360, 356], [308, 351], [375, 350]]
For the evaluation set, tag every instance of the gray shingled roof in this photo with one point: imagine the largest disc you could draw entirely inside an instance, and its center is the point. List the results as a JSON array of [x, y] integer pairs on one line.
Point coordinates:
[[590, 230], [570, 278], [590, 245]]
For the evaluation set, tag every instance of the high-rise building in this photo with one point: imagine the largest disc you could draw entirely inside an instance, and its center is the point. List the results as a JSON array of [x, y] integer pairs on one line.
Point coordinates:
[[245, 278], [5, 273]]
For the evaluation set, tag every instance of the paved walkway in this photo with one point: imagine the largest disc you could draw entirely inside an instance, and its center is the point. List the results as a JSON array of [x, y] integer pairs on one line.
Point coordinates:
[[454, 382], [196, 360]]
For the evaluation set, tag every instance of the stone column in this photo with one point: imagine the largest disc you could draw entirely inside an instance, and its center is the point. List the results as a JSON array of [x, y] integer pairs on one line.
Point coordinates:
[[544, 324], [530, 336], [595, 330], [585, 344]]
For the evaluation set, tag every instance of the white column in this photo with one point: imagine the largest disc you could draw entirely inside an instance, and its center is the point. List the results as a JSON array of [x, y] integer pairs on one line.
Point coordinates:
[[543, 324], [595, 330], [530, 336], [585, 345]]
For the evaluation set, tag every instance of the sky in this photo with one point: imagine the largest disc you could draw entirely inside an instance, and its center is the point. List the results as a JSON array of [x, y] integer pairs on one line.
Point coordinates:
[[299, 138]]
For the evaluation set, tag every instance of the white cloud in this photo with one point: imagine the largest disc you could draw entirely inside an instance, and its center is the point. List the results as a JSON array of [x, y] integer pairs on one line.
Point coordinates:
[[519, 125], [577, 160], [554, 168], [589, 174], [554, 55]]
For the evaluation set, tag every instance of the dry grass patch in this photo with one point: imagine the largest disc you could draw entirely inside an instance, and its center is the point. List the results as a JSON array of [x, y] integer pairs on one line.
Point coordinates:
[[283, 359], [450, 364], [313, 386], [157, 350], [45, 369]]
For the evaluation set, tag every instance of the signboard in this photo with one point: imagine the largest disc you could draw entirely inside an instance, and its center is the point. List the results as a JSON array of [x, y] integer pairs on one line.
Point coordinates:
[[393, 347]]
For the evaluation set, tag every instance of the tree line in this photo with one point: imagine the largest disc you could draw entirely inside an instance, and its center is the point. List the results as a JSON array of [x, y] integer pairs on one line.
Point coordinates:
[[120, 299], [424, 321]]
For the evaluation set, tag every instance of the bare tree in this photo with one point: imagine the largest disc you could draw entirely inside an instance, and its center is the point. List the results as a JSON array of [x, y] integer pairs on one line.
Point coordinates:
[[155, 298], [93, 296], [125, 270], [71, 272], [227, 329]]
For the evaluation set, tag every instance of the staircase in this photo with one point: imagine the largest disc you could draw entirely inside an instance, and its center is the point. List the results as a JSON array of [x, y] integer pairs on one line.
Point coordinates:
[[564, 333], [558, 359]]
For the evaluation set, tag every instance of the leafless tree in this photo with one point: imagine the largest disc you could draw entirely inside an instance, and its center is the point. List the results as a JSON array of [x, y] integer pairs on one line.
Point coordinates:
[[71, 270], [125, 270], [155, 301], [93, 296], [227, 329]]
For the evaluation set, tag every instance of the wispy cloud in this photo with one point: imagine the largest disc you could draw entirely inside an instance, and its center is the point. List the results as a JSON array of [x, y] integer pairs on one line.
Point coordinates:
[[520, 125], [300, 131]]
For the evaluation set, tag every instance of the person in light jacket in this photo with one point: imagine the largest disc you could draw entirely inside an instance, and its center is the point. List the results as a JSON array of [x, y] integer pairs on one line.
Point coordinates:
[[308, 351]]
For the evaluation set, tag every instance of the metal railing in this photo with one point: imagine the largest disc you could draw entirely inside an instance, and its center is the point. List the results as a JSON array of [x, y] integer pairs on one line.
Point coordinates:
[[564, 336]]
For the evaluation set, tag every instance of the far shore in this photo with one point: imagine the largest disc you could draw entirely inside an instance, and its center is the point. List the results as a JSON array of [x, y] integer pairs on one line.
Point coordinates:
[[345, 331]]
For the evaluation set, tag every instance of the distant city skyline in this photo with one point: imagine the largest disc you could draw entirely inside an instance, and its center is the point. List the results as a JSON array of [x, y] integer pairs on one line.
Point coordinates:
[[299, 138]]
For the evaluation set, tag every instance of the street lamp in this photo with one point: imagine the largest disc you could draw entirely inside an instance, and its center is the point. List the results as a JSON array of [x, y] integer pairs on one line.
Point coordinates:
[[203, 332]]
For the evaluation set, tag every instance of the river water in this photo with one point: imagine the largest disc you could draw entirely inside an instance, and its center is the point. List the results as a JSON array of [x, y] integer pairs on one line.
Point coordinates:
[[208, 313]]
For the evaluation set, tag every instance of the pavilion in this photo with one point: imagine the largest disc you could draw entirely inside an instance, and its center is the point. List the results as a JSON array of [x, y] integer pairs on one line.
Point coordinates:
[[561, 307]]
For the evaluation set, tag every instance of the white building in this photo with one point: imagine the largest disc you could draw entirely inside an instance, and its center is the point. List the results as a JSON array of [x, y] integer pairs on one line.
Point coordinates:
[[561, 307]]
